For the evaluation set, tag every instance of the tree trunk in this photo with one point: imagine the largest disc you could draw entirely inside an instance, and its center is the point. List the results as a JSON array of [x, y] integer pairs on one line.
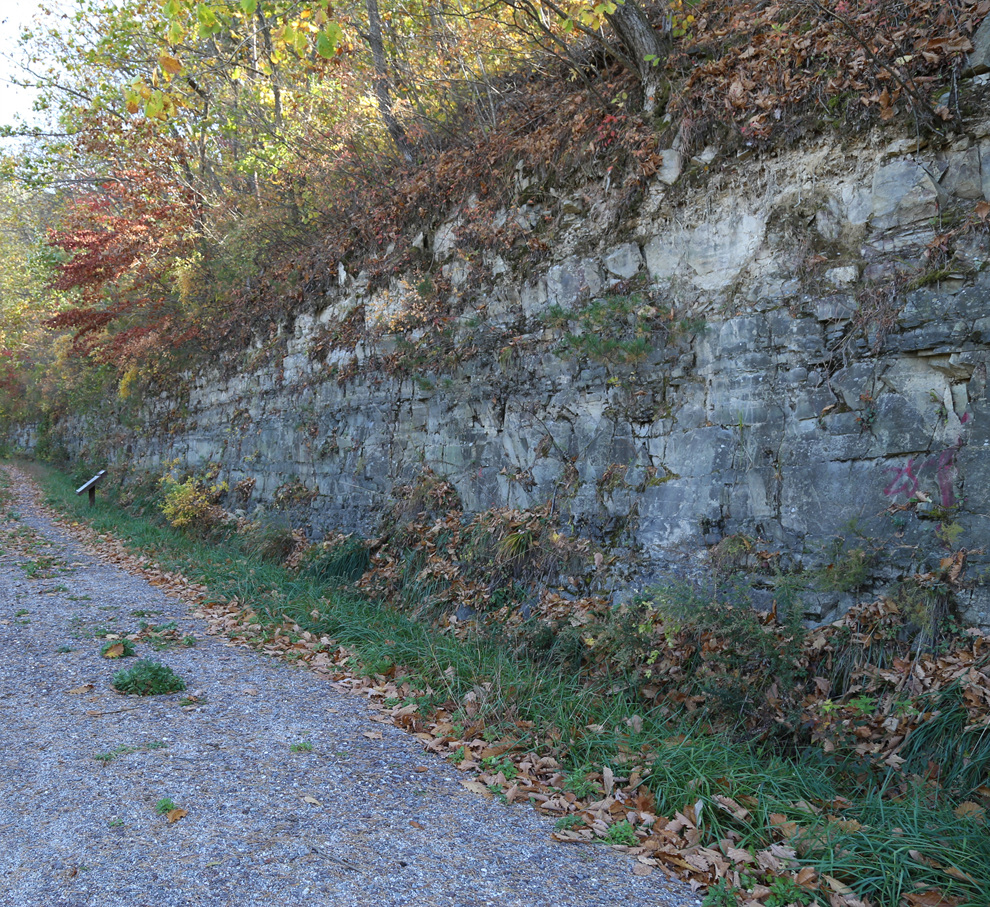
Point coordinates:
[[382, 91], [643, 44]]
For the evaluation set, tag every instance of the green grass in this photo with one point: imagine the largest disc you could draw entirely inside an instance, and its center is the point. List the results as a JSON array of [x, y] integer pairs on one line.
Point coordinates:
[[870, 840], [148, 678]]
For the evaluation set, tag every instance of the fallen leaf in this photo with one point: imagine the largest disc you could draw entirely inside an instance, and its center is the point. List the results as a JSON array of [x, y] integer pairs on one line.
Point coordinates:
[[807, 877], [173, 815], [78, 691], [641, 869], [837, 886], [416, 824], [959, 875], [372, 735], [115, 651], [312, 801], [930, 898], [476, 787], [969, 808]]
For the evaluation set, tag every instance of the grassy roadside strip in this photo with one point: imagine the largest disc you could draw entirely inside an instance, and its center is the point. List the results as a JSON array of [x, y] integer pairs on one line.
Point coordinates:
[[748, 826]]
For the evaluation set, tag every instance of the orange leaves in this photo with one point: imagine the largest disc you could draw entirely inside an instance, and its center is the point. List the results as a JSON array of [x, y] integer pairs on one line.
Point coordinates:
[[169, 65]]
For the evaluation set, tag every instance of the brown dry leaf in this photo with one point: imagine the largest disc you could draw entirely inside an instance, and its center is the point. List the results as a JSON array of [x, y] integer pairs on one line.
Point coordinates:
[[476, 787], [416, 824], [372, 735], [785, 826], [641, 869], [608, 779], [78, 691], [740, 812], [930, 898], [173, 815], [738, 855], [959, 875], [807, 877], [969, 808], [837, 886], [115, 651]]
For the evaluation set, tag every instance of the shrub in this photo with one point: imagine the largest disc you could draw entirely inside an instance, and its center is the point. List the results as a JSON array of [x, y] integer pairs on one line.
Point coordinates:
[[193, 505], [148, 678]]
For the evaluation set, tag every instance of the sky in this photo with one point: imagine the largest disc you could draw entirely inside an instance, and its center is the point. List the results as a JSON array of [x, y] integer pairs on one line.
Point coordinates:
[[14, 15]]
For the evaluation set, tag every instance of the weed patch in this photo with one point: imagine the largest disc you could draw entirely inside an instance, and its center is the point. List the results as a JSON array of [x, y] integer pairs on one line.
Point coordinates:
[[148, 678]]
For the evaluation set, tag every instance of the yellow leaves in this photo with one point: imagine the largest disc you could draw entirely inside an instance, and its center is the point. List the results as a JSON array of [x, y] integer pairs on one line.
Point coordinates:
[[114, 651]]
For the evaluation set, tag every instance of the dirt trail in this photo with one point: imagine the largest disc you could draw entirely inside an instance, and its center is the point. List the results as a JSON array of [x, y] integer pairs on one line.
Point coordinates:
[[292, 793]]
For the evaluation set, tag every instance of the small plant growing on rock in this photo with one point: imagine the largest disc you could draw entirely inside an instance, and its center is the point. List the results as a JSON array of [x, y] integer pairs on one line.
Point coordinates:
[[148, 678]]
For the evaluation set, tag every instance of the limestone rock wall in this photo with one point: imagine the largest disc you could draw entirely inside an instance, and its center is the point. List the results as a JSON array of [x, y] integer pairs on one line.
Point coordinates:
[[795, 370]]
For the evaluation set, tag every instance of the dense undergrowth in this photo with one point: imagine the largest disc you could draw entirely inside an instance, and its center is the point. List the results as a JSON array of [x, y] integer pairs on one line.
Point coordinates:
[[769, 763]]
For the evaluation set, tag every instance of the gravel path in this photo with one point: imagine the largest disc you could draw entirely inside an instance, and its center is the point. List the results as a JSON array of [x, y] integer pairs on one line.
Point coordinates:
[[365, 817]]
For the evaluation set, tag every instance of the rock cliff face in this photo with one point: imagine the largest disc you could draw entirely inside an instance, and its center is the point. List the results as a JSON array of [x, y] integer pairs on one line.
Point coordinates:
[[791, 352]]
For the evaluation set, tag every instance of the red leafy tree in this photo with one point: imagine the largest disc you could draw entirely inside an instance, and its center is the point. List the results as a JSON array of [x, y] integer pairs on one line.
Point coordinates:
[[116, 252]]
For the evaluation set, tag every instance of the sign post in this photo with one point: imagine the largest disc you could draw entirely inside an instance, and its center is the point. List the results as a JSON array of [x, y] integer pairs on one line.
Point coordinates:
[[90, 486]]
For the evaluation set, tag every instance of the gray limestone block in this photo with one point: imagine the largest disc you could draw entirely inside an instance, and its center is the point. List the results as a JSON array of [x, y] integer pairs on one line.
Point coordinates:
[[973, 465], [820, 498], [739, 399], [624, 261], [808, 405], [677, 512], [985, 165], [670, 166], [854, 383], [897, 427], [962, 178], [718, 252], [700, 452], [736, 335], [796, 335], [903, 192], [974, 605], [978, 59]]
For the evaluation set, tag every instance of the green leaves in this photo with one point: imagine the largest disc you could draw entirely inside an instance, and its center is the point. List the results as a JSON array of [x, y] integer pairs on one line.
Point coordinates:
[[328, 39]]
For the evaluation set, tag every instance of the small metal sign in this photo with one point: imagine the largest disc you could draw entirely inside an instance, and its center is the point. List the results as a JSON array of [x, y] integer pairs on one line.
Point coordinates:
[[90, 486]]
